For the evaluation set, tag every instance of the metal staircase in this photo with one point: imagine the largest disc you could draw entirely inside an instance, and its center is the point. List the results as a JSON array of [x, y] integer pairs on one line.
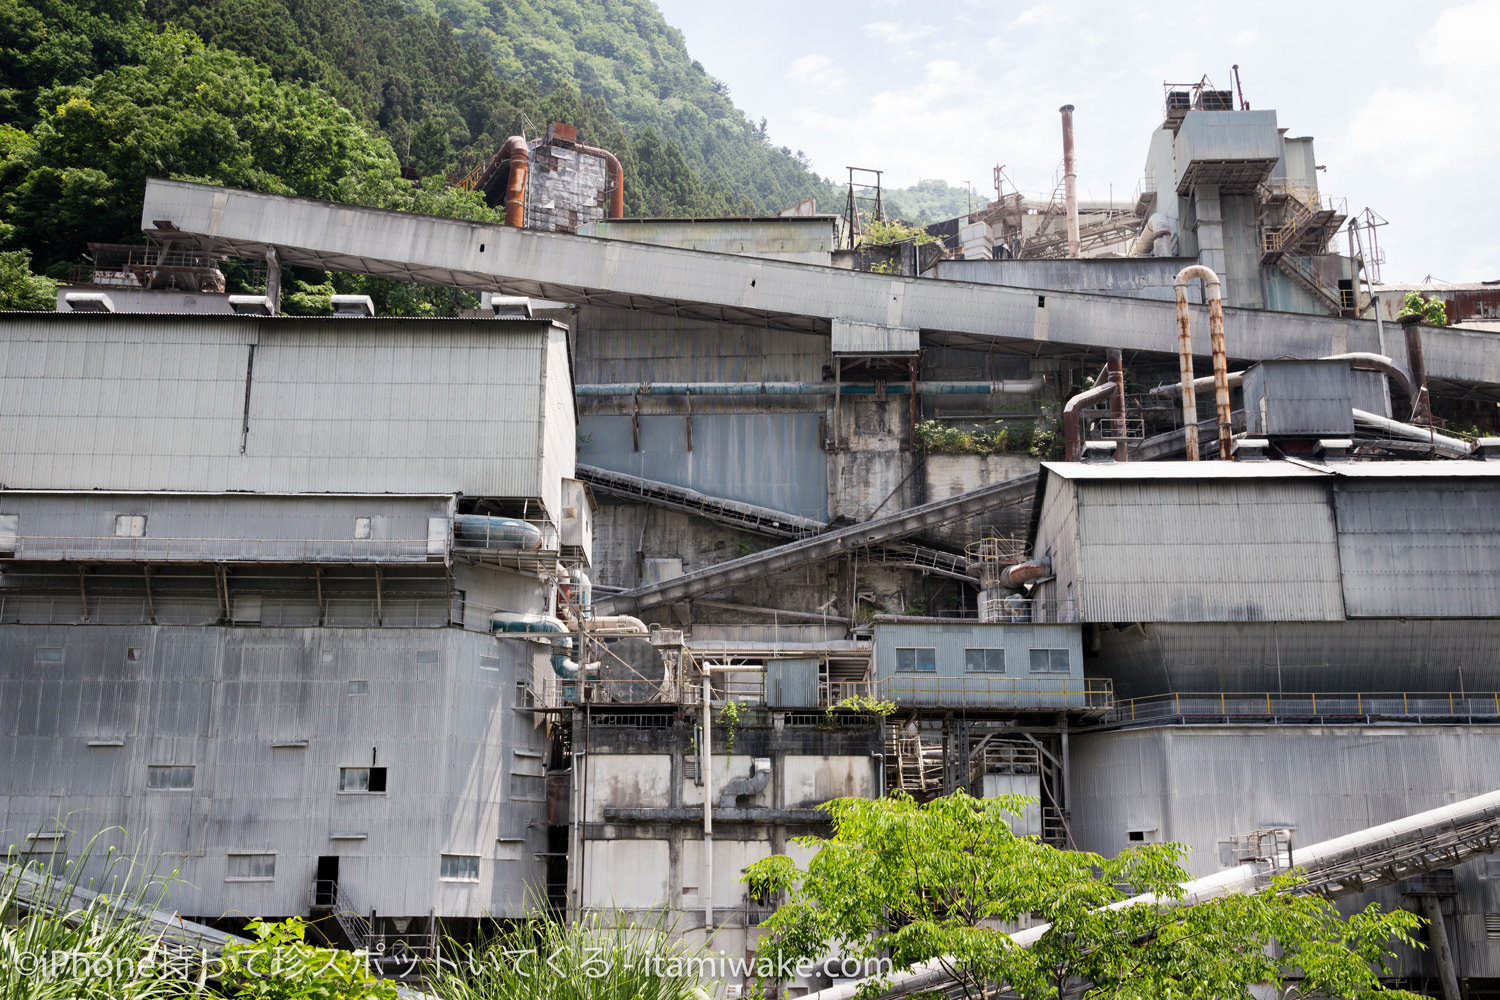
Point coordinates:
[[1300, 270], [328, 896], [731, 513]]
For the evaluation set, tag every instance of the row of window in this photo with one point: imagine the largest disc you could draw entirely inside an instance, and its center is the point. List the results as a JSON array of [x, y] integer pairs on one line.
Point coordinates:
[[923, 659], [527, 781]]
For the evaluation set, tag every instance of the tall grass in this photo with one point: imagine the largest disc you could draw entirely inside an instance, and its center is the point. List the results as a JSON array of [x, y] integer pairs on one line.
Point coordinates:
[[65, 936], [589, 959]]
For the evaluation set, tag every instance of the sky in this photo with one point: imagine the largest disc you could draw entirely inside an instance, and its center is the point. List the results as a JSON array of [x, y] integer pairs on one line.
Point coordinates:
[[1402, 98]]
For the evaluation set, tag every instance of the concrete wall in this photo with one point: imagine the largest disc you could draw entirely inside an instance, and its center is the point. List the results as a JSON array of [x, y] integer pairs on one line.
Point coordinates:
[[1200, 786], [266, 718], [806, 239]]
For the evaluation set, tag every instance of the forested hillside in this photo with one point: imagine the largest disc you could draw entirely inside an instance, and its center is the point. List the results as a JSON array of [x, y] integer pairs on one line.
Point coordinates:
[[331, 98]]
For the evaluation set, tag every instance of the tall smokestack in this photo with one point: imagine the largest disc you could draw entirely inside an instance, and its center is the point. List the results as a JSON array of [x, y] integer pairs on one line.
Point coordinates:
[[1070, 179]]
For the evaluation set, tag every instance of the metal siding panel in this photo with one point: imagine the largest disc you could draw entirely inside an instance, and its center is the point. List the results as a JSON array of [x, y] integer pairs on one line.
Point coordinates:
[[1207, 551], [1428, 550]]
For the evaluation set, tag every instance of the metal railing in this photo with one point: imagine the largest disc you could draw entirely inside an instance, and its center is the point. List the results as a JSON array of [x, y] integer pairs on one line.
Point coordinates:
[[834, 692], [329, 894], [108, 548], [1016, 609], [979, 690], [1272, 705]]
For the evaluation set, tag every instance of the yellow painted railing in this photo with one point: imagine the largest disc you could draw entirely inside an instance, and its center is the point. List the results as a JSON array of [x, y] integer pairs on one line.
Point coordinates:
[[1274, 704]]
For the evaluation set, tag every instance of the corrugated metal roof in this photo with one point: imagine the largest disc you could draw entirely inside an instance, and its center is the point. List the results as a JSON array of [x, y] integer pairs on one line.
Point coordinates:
[[1272, 470]]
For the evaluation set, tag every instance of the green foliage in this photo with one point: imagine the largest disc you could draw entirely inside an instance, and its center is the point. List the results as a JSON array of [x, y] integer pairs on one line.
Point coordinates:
[[1431, 310], [19, 288], [864, 705], [876, 232], [929, 883], [934, 437], [92, 950], [280, 965], [600, 957], [731, 713]]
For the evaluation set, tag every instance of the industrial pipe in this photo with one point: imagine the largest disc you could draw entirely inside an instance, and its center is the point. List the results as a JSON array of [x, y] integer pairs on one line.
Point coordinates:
[[1367, 361], [760, 777], [1421, 409], [1072, 443], [617, 195], [1115, 359], [1070, 179], [1442, 444], [1010, 387], [519, 154], [1185, 359], [1019, 574]]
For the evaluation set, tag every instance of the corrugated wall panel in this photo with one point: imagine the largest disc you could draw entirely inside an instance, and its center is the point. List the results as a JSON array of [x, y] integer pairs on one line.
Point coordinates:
[[559, 445], [1428, 550], [1207, 551], [373, 406]]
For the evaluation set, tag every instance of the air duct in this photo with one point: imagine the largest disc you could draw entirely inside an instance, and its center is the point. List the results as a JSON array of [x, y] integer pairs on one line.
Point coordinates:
[[760, 777], [1072, 435], [617, 193], [1220, 360]]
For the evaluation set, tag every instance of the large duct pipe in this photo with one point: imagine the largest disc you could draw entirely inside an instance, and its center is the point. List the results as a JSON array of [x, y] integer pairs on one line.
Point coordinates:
[[760, 777], [1421, 410], [1012, 387], [1442, 444], [1185, 359], [617, 194], [1116, 361], [1357, 359], [1072, 434], [1070, 179], [519, 154]]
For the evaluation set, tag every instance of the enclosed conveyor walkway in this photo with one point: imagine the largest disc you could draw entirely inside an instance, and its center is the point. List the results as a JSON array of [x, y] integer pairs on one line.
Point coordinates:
[[825, 546], [759, 292]]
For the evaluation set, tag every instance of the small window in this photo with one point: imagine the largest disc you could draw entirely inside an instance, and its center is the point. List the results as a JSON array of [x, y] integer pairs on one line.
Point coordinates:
[[916, 660], [1142, 836], [528, 776], [45, 855], [460, 868], [369, 780], [169, 777], [132, 654], [10, 528], [50, 655], [130, 525], [1492, 867], [251, 867], [489, 663], [427, 658], [359, 687], [1049, 661], [361, 527], [1492, 926], [510, 850], [984, 661]]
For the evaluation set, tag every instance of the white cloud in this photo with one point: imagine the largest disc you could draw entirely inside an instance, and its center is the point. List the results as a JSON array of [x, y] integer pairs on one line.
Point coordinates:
[[893, 33], [818, 71]]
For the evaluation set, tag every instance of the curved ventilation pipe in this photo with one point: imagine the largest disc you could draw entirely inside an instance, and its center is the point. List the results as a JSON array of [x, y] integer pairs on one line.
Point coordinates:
[[617, 625], [617, 195], [760, 777], [1441, 444], [1185, 359], [1023, 573], [1072, 435], [1367, 361], [519, 154]]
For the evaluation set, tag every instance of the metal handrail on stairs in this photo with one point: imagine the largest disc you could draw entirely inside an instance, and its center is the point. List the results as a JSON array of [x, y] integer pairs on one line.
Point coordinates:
[[329, 894]]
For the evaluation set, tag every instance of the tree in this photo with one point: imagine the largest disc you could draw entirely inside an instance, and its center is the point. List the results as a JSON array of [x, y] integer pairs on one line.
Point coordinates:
[[1432, 311], [935, 883], [19, 288]]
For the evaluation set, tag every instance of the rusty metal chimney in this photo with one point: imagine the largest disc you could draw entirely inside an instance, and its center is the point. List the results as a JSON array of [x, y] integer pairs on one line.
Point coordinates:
[[1421, 410], [1116, 361], [1070, 179]]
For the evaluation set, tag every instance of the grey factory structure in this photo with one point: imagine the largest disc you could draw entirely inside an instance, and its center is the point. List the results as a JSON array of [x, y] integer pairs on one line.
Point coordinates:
[[399, 620]]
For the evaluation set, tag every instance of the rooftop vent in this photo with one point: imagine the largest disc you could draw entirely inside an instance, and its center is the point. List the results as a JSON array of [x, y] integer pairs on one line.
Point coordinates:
[[250, 305], [89, 302], [353, 305], [1098, 452], [509, 306], [1251, 449], [1487, 449]]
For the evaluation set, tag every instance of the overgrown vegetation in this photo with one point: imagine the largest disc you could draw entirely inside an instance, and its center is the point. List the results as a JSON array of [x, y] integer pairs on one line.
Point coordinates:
[[937, 437], [931, 883], [21, 289], [599, 957], [731, 713], [279, 964], [1432, 311], [878, 232], [863, 705]]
